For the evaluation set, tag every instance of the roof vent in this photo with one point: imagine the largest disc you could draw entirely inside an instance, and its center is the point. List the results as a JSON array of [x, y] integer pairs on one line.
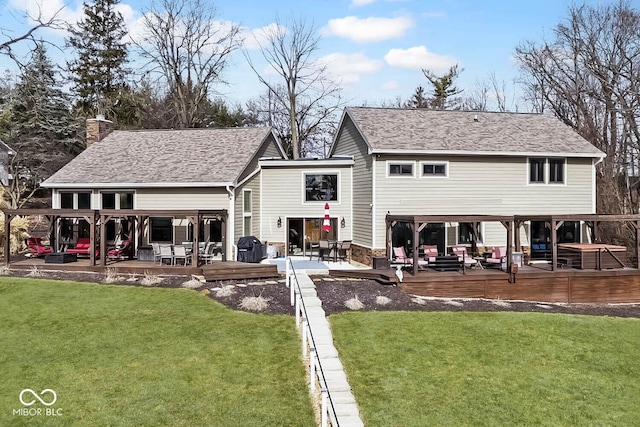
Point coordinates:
[[475, 118]]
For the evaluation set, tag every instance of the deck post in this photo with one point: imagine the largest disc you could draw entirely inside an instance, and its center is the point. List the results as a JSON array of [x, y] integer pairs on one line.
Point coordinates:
[[637, 224], [7, 237]]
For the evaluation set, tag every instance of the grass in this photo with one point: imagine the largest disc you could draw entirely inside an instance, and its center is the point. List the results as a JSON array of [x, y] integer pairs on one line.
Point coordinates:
[[119, 355], [493, 369]]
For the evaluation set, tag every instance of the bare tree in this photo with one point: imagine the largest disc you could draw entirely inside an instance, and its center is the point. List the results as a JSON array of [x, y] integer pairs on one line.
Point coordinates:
[[589, 78], [190, 49], [304, 89], [9, 39]]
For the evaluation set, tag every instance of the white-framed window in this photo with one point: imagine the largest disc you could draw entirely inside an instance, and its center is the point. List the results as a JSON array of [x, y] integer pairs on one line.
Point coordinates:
[[544, 170], [321, 186], [161, 230], [431, 169], [400, 169], [465, 233], [246, 212], [75, 200], [557, 171], [117, 199]]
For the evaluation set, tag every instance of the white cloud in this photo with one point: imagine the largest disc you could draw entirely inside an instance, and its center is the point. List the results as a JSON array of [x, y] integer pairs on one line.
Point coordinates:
[[348, 67], [254, 39], [365, 30], [44, 10], [418, 57], [361, 2], [390, 85]]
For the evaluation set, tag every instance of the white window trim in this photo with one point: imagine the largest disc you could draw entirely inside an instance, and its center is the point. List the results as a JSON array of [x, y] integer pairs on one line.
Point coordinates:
[[395, 162], [545, 171], [321, 172], [75, 198], [479, 242], [564, 171], [117, 197], [435, 163], [246, 214]]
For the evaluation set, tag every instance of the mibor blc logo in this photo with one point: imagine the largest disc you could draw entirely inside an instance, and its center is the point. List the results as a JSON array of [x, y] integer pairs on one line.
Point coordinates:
[[32, 400]]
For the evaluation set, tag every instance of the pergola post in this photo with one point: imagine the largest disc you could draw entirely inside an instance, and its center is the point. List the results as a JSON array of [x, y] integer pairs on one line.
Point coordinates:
[[416, 251], [554, 244], [7, 238], [223, 219]]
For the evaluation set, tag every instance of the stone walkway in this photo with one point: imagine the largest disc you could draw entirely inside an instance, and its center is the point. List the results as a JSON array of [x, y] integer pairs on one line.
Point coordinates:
[[346, 409]]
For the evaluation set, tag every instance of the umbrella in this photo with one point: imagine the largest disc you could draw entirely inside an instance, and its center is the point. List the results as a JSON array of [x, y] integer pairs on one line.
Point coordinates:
[[326, 223]]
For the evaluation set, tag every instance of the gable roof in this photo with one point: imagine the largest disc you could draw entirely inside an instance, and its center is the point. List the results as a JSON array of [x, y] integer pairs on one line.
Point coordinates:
[[420, 131], [164, 158]]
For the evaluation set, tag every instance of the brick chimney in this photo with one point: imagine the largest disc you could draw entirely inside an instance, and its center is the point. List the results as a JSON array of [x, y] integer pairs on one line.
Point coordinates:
[[98, 129]]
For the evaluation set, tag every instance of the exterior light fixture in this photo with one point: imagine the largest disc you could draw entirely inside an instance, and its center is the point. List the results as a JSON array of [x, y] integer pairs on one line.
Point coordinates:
[[343, 223], [279, 222]]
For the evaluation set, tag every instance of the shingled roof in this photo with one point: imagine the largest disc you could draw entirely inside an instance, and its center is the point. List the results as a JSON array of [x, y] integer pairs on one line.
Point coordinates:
[[462, 132], [188, 157]]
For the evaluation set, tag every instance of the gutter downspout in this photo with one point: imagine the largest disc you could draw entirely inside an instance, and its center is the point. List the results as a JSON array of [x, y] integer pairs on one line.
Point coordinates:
[[232, 224], [593, 183]]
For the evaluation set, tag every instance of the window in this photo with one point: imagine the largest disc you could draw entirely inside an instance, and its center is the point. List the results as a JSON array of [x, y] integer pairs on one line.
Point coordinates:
[[161, 230], [246, 212], [549, 171], [84, 200], [126, 200], [465, 233], [117, 200], [108, 201], [556, 171], [66, 200], [400, 169], [321, 187], [434, 169], [536, 171]]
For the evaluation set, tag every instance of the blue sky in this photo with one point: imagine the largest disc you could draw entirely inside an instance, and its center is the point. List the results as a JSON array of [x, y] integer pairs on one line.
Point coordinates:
[[375, 48]]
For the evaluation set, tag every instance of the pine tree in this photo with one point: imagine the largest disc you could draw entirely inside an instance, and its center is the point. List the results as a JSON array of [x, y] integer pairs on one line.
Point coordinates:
[[42, 132], [99, 71]]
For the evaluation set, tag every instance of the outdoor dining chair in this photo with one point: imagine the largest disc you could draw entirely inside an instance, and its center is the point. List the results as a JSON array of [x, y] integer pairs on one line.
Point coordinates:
[[208, 254], [166, 253], [180, 253], [343, 250]]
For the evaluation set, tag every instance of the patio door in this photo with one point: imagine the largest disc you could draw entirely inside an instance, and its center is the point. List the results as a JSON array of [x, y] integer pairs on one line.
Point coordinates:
[[305, 232]]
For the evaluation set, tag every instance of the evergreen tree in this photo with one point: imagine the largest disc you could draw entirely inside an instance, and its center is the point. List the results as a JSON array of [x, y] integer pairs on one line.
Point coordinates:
[[99, 71], [443, 88], [42, 130]]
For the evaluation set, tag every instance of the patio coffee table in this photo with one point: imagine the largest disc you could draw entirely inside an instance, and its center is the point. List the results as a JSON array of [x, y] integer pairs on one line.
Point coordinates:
[[60, 258]]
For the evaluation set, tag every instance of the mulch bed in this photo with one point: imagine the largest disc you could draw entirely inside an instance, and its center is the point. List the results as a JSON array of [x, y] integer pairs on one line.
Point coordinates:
[[335, 292]]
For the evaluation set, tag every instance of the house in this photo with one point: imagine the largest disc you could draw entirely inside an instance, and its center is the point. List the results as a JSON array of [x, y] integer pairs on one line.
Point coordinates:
[[6, 154], [162, 170], [429, 162]]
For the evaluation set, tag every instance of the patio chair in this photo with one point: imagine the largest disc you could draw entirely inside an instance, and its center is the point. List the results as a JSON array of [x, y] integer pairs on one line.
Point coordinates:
[[121, 251], [463, 256], [343, 250], [400, 256], [498, 257], [37, 248], [156, 252], [430, 252], [180, 253], [324, 250], [166, 253], [208, 254]]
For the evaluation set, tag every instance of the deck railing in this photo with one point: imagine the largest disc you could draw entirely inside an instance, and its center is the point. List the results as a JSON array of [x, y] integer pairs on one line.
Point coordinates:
[[316, 372]]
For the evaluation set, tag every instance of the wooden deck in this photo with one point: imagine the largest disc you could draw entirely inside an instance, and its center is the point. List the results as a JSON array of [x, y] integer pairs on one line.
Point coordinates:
[[216, 271], [567, 285]]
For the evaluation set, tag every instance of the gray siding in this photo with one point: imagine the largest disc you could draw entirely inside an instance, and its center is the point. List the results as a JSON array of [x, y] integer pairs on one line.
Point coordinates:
[[182, 198], [350, 143], [283, 196], [254, 185], [480, 185]]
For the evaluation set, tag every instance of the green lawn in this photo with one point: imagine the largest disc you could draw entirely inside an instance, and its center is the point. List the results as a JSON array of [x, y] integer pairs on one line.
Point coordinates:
[[493, 369], [131, 356]]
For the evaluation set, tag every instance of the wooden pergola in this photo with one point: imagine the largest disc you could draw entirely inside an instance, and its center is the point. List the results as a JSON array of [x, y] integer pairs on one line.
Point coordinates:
[[512, 226], [98, 235]]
